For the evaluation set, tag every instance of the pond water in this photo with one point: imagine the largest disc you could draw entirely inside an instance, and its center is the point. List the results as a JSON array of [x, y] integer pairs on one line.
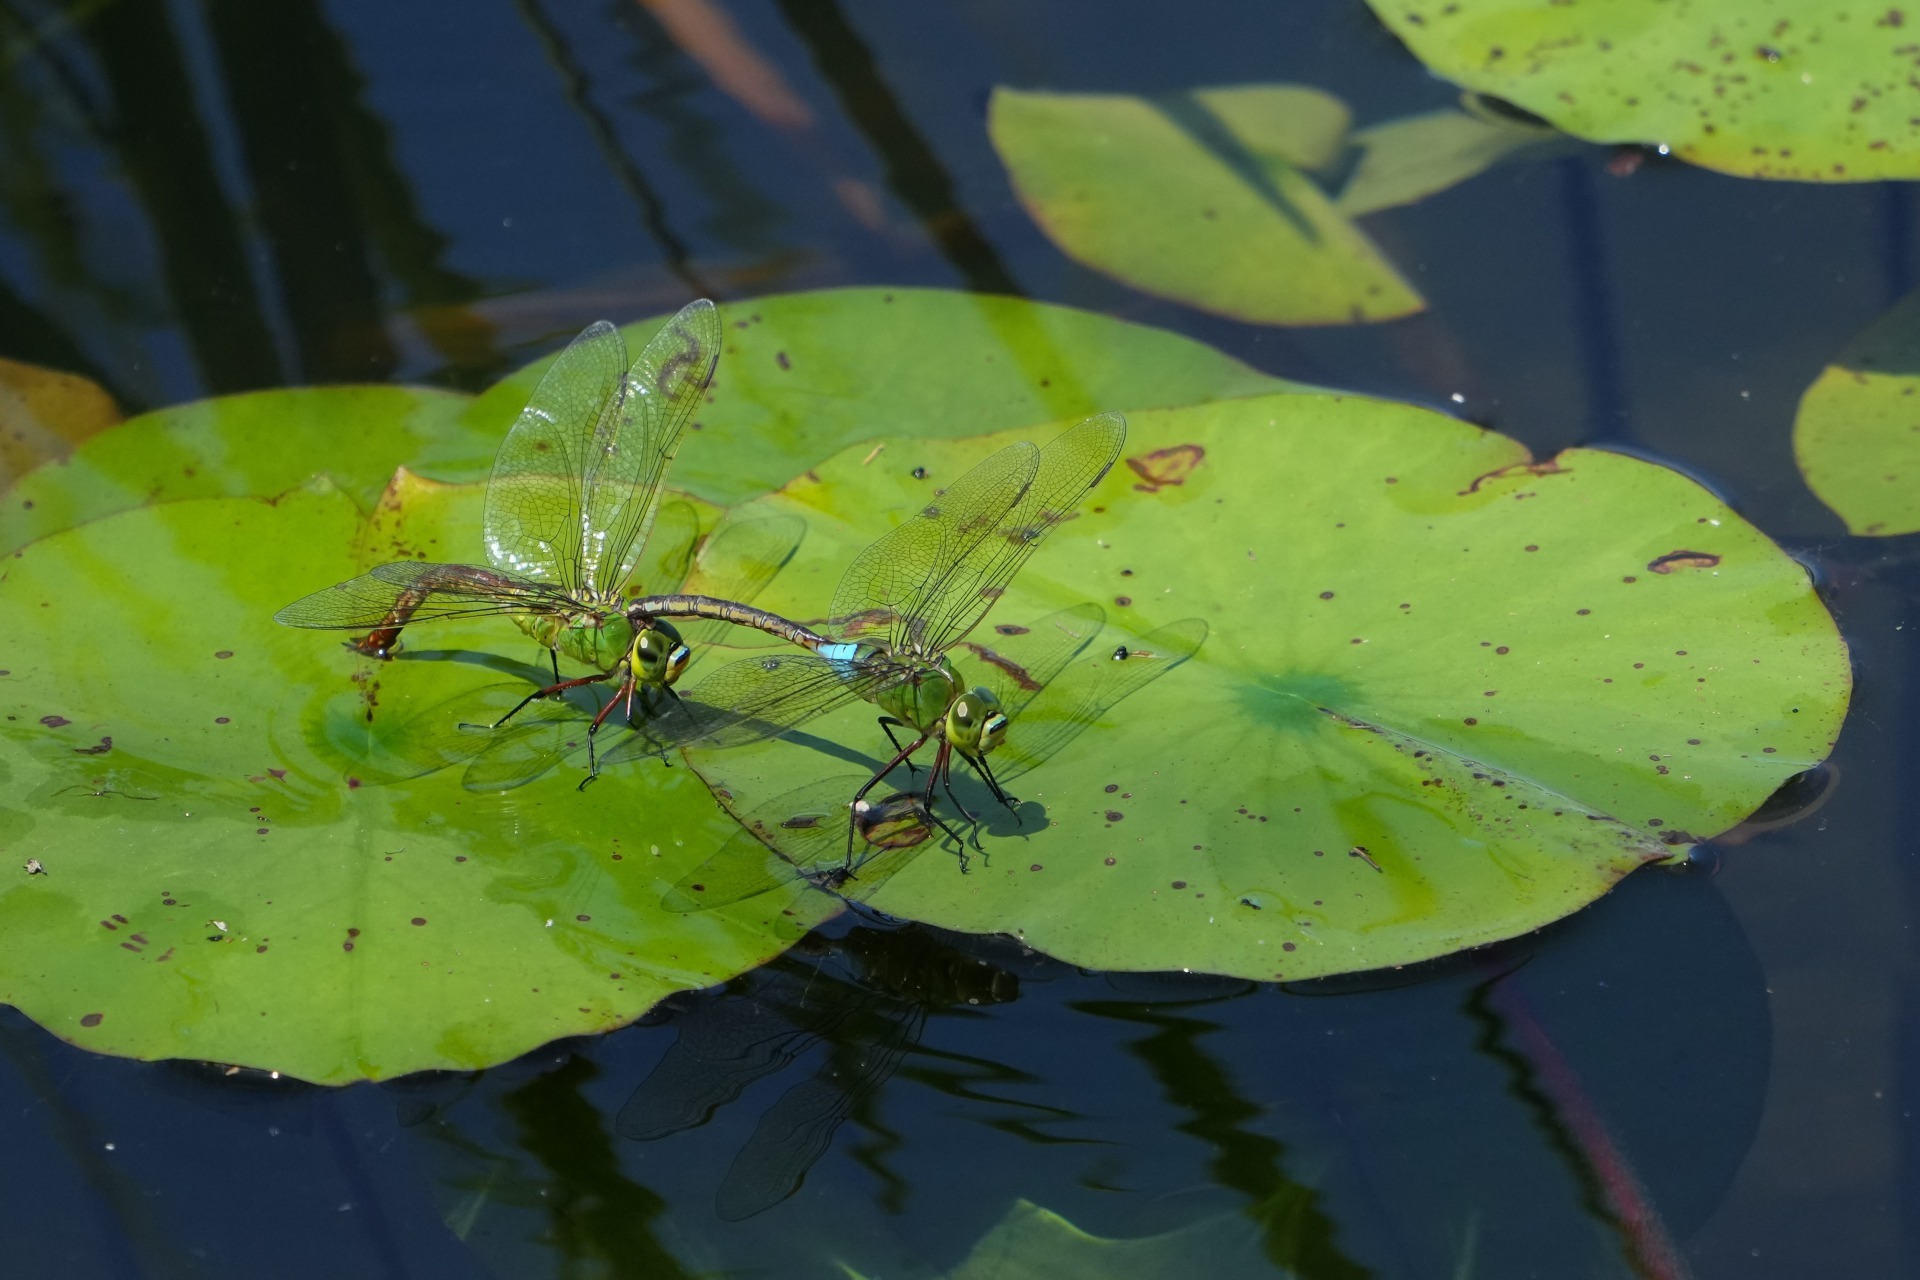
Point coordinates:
[[1711, 1072]]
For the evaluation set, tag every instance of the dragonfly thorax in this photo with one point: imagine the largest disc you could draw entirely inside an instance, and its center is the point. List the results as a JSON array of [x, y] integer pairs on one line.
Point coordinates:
[[923, 697]]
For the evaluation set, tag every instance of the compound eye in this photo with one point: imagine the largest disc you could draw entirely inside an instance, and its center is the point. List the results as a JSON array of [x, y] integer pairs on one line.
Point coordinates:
[[963, 713]]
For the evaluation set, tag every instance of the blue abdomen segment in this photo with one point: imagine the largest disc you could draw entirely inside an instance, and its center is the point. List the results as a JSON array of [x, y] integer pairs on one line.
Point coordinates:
[[841, 656]]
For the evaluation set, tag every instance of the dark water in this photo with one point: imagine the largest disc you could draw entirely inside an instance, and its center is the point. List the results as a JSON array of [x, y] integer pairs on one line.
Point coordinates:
[[1706, 1074]]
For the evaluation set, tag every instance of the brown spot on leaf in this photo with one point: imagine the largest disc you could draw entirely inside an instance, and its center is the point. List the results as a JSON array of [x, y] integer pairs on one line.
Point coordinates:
[[91, 1019], [1683, 560], [1165, 467]]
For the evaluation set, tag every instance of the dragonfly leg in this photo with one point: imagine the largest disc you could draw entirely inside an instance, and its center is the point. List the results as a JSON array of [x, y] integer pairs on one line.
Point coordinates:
[[593, 760], [985, 771], [553, 656], [887, 724], [558, 687], [853, 810], [943, 772]]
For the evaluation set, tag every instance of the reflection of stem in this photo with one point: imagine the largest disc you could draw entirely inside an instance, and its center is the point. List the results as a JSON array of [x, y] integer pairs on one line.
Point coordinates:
[[1296, 1231], [913, 170], [578, 92], [1546, 1085], [595, 1211]]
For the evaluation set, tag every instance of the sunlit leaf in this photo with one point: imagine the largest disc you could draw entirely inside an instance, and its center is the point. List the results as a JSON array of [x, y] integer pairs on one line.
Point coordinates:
[[1201, 198], [1816, 92], [804, 375], [1857, 435], [1447, 694], [223, 877]]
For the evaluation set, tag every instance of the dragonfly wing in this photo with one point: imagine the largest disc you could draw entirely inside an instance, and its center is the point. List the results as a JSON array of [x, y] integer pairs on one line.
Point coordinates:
[[736, 562], [633, 447], [418, 591], [1021, 661], [1071, 464], [726, 1043], [763, 697], [892, 584], [1086, 690], [535, 520]]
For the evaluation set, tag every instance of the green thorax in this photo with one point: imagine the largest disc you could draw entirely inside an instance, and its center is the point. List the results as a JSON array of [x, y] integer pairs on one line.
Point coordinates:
[[921, 700]]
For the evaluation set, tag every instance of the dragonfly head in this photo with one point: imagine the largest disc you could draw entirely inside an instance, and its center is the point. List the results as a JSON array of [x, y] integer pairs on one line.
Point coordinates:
[[976, 722], [659, 655]]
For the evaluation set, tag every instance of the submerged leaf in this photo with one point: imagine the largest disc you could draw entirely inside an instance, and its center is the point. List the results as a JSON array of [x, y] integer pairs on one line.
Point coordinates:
[[1448, 694], [44, 413], [1201, 198]]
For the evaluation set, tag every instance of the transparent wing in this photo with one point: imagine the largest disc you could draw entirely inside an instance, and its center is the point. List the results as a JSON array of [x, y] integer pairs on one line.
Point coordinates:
[[1072, 463], [891, 586], [575, 482], [796, 838], [763, 697], [725, 1044], [1019, 661], [664, 386], [417, 591], [534, 515], [1084, 692], [736, 563], [666, 557]]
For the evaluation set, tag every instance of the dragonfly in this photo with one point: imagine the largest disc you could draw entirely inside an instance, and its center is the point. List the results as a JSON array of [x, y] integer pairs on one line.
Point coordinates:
[[904, 603], [569, 506], [1054, 679], [735, 561]]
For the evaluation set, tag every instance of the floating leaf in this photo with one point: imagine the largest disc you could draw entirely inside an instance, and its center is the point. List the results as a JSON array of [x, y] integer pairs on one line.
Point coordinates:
[[805, 375], [254, 445], [1857, 435], [1816, 92], [1200, 198], [1448, 694], [223, 878], [44, 413]]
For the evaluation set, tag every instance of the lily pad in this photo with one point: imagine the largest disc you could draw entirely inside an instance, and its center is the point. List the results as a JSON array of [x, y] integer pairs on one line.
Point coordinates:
[[1406, 160], [1857, 435], [1447, 694], [804, 375], [201, 864], [1200, 198], [1816, 91], [255, 445]]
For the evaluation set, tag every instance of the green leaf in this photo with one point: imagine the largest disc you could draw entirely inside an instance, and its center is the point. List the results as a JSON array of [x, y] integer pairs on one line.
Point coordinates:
[[1814, 92], [254, 445], [1199, 198], [1857, 435], [1447, 694], [1402, 161], [223, 877], [805, 375]]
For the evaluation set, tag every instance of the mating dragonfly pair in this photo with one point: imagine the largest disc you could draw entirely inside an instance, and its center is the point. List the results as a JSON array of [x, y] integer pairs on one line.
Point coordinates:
[[569, 506]]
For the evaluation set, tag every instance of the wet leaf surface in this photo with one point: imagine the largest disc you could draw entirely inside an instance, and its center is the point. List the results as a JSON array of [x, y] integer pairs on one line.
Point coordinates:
[[1201, 197], [1857, 435], [1446, 695], [1816, 91], [225, 876]]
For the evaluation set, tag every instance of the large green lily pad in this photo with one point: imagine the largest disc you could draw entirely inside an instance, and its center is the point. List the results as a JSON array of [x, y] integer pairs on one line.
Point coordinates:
[[804, 375], [1448, 694], [201, 862], [1857, 435], [1201, 198], [1816, 91]]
